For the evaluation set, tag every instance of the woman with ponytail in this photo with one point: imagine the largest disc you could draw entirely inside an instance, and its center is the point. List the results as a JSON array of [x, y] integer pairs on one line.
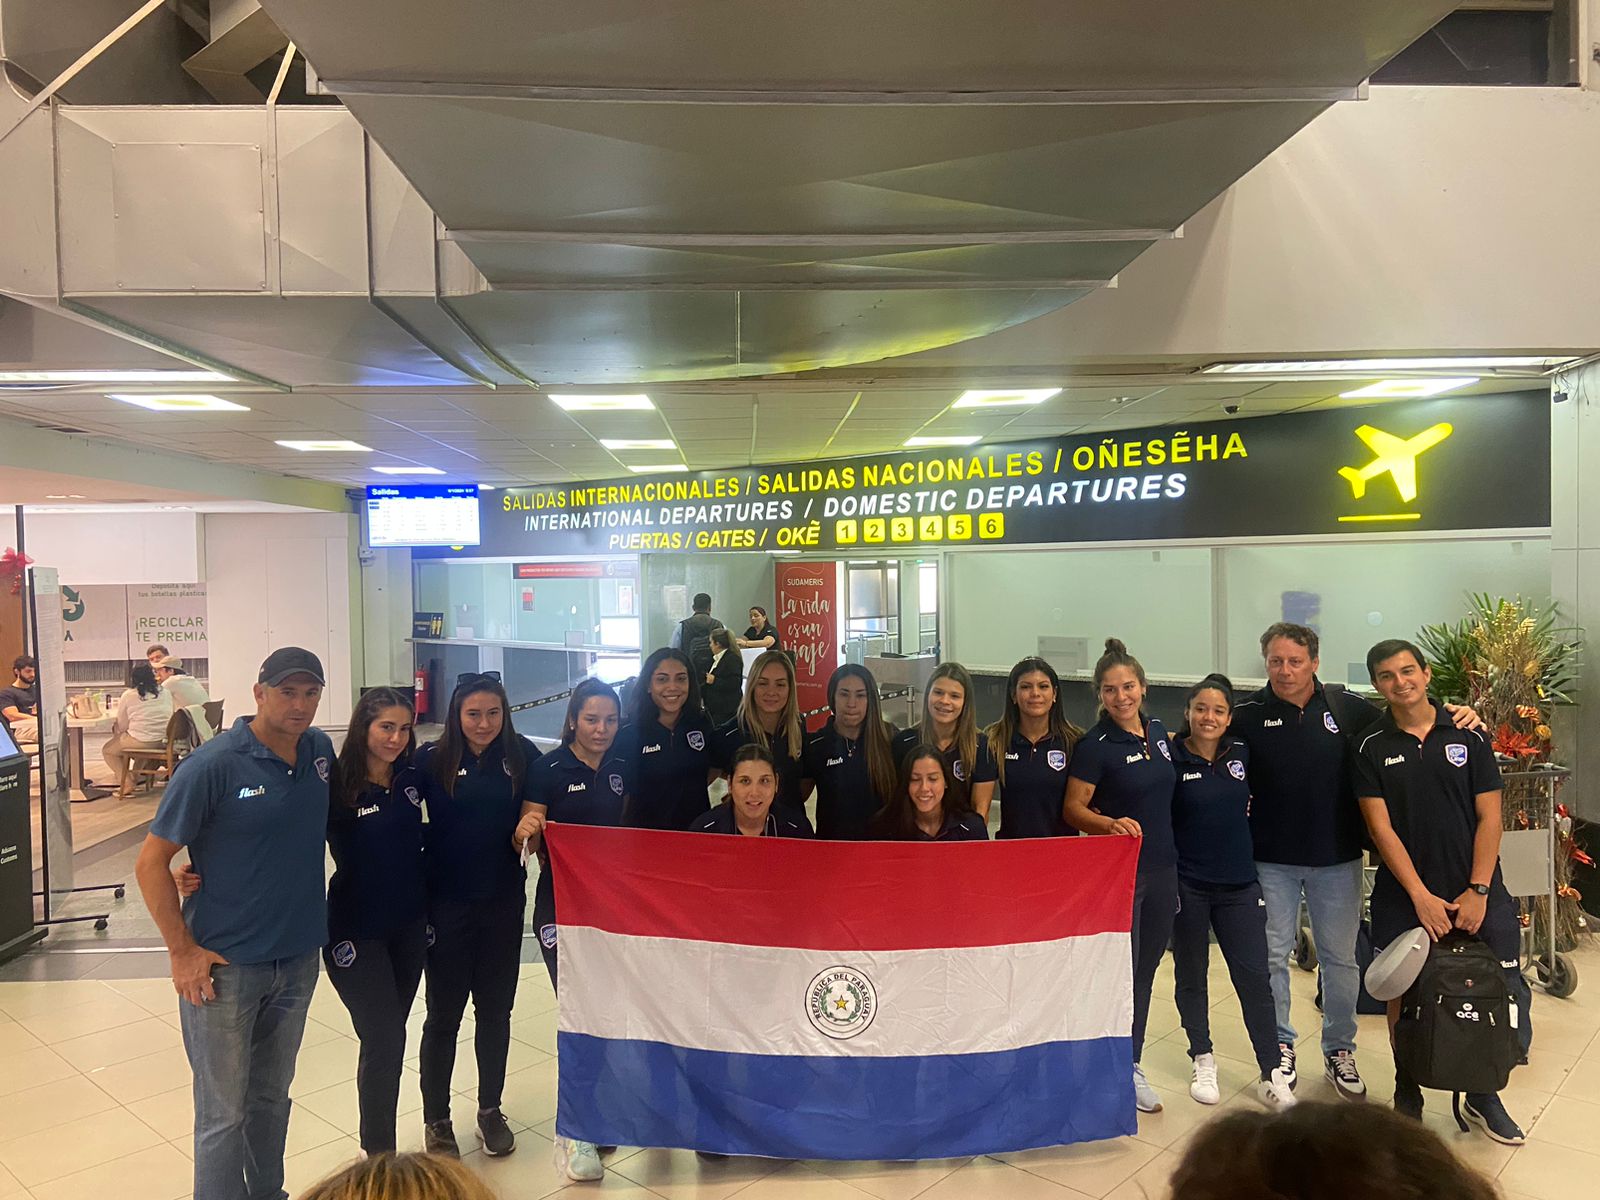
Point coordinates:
[[850, 757], [1123, 768]]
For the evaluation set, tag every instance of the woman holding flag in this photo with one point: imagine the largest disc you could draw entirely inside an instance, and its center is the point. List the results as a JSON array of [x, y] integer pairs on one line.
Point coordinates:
[[950, 726], [584, 782], [1123, 768], [748, 811]]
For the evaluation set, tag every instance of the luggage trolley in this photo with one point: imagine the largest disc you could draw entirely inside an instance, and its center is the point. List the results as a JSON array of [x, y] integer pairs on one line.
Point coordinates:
[[1528, 864]]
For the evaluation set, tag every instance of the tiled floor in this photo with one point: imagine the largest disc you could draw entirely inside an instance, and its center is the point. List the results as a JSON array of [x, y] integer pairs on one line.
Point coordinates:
[[94, 1102]]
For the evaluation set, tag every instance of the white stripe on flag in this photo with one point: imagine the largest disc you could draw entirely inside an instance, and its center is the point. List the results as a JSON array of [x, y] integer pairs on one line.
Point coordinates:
[[756, 999]]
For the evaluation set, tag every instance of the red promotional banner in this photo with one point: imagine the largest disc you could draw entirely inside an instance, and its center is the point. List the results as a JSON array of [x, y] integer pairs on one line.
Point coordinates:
[[558, 570], [808, 625]]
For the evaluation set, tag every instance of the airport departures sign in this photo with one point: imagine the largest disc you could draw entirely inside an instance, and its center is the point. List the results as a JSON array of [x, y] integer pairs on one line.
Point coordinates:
[[1480, 462]]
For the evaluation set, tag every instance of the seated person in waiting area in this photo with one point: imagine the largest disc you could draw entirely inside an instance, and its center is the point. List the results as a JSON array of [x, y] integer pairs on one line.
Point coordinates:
[[19, 703], [752, 787], [927, 806], [140, 720], [183, 687]]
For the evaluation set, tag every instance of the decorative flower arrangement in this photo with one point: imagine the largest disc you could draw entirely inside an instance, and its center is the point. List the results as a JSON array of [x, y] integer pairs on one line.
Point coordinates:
[[14, 566], [1514, 661]]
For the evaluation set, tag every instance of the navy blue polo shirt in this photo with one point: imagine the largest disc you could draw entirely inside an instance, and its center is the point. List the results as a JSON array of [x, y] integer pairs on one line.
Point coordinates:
[[983, 770], [379, 885], [1211, 814], [1430, 789], [1303, 812], [670, 768], [846, 801], [963, 827], [1034, 790], [721, 820], [470, 856], [733, 735], [572, 791], [1133, 777], [254, 826]]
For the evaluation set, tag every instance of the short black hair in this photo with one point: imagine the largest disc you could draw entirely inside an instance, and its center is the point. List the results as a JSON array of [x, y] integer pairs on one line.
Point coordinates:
[[702, 602], [1301, 635], [1387, 649], [23, 661]]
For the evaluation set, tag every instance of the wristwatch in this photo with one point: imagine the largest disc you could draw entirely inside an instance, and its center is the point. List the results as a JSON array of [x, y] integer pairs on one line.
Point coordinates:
[[1481, 888]]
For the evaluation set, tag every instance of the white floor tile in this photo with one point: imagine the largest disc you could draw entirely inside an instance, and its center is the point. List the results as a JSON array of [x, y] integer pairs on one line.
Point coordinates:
[[76, 1146], [106, 1011], [145, 1036], [50, 1104], [156, 1173]]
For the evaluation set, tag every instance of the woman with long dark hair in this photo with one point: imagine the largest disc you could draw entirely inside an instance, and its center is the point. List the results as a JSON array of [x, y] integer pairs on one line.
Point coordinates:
[[668, 739], [1218, 891], [748, 811], [950, 725], [769, 717], [850, 758], [139, 722], [478, 780], [1031, 744], [582, 782], [1123, 768], [927, 806]]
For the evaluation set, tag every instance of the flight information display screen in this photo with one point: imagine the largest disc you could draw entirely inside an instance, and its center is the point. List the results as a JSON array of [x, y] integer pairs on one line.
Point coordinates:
[[422, 515]]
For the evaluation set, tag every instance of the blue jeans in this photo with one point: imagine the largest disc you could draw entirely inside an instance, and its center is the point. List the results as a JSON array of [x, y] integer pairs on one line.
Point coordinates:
[[1333, 899], [242, 1048]]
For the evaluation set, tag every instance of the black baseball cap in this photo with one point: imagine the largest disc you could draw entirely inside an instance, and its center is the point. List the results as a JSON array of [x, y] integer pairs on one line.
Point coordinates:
[[291, 660]]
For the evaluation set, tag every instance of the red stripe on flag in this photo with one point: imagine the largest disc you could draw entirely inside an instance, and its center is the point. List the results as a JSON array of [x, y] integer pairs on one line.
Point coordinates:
[[840, 895]]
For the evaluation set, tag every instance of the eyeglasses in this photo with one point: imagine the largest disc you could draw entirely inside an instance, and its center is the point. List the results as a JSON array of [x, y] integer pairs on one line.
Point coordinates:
[[467, 677]]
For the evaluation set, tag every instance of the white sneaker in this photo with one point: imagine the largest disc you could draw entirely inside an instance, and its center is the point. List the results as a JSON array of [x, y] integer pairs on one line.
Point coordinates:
[[1204, 1085], [1145, 1098], [578, 1161], [1275, 1092]]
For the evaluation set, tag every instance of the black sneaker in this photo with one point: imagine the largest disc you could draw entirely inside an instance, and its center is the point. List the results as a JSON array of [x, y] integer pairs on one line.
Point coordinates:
[[1340, 1068], [1408, 1099], [1286, 1064], [1491, 1116], [439, 1137], [495, 1134]]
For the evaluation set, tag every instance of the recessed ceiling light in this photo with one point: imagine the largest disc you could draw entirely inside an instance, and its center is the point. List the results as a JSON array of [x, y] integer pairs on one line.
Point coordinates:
[[639, 443], [331, 446], [964, 439], [1004, 399], [68, 496], [601, 403], [1408, 388], [159, 375], [486, 487], [658, 467], [408, 470], [1376, 366], [178, 402]]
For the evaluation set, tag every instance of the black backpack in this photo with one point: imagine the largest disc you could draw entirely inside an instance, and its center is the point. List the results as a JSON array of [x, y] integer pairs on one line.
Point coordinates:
[[695, 639], [1458, 1022]]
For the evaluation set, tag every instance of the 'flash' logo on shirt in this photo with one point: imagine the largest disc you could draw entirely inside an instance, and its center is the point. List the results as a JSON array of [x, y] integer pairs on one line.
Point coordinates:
[[1275, 723], [577, 787], [247, 792], [1394, 760], [1190, 776]]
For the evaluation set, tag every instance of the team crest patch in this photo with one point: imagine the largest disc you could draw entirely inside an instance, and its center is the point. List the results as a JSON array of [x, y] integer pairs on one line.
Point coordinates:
[[841, 1003], [959, 770], [344, 954], [696, 740], [1236, 769], [1327, 719], [1057, 760], [414, 796], [547, 936], [1456, 754], [1166, 753], [322, 769], [616, 784]]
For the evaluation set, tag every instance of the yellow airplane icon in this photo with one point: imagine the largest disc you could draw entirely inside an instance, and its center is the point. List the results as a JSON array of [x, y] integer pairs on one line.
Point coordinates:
[[1395, 456]]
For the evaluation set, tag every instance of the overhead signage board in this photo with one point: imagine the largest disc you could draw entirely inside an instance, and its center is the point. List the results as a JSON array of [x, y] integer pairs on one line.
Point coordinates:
[[1480, 462], [422, 515]]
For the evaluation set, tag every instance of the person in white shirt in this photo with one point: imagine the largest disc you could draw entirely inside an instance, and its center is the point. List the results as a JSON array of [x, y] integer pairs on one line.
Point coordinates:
[[141, 719], [184, 688]]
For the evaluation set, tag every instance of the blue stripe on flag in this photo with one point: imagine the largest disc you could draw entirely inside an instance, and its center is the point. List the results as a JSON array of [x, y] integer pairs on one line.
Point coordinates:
[[638, 1093]]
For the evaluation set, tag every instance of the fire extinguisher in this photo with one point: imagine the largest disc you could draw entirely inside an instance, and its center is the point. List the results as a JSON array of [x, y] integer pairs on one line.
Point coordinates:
[[420, 692]]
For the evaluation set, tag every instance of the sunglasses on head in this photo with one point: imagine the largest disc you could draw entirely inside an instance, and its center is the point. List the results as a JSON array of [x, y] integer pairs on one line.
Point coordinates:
[[466, 677]]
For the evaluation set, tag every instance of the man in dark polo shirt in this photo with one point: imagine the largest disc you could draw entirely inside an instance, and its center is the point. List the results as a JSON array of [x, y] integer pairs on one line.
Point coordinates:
[[252, 807], [1430, 794]]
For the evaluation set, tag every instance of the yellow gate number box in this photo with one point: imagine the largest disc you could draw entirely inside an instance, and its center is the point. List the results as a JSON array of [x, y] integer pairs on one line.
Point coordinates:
[[992, 525], [930, 529], [959, 527]]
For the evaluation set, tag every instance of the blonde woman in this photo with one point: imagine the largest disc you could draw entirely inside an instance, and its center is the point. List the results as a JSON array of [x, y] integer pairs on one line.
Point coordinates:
[[769, 717]]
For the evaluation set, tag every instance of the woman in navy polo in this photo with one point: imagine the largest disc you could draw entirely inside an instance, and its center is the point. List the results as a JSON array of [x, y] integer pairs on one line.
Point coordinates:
[[478, 775], [752, 786], [850, 758], [668, 740], [1031, 744], [950, 725], [1123, 768], [585, 781], [1217, 890], [927, 807], [769, 717]]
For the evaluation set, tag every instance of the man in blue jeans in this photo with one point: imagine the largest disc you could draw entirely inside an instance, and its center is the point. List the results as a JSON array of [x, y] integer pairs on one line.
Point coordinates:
[[252, 807], [1308, 831]]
